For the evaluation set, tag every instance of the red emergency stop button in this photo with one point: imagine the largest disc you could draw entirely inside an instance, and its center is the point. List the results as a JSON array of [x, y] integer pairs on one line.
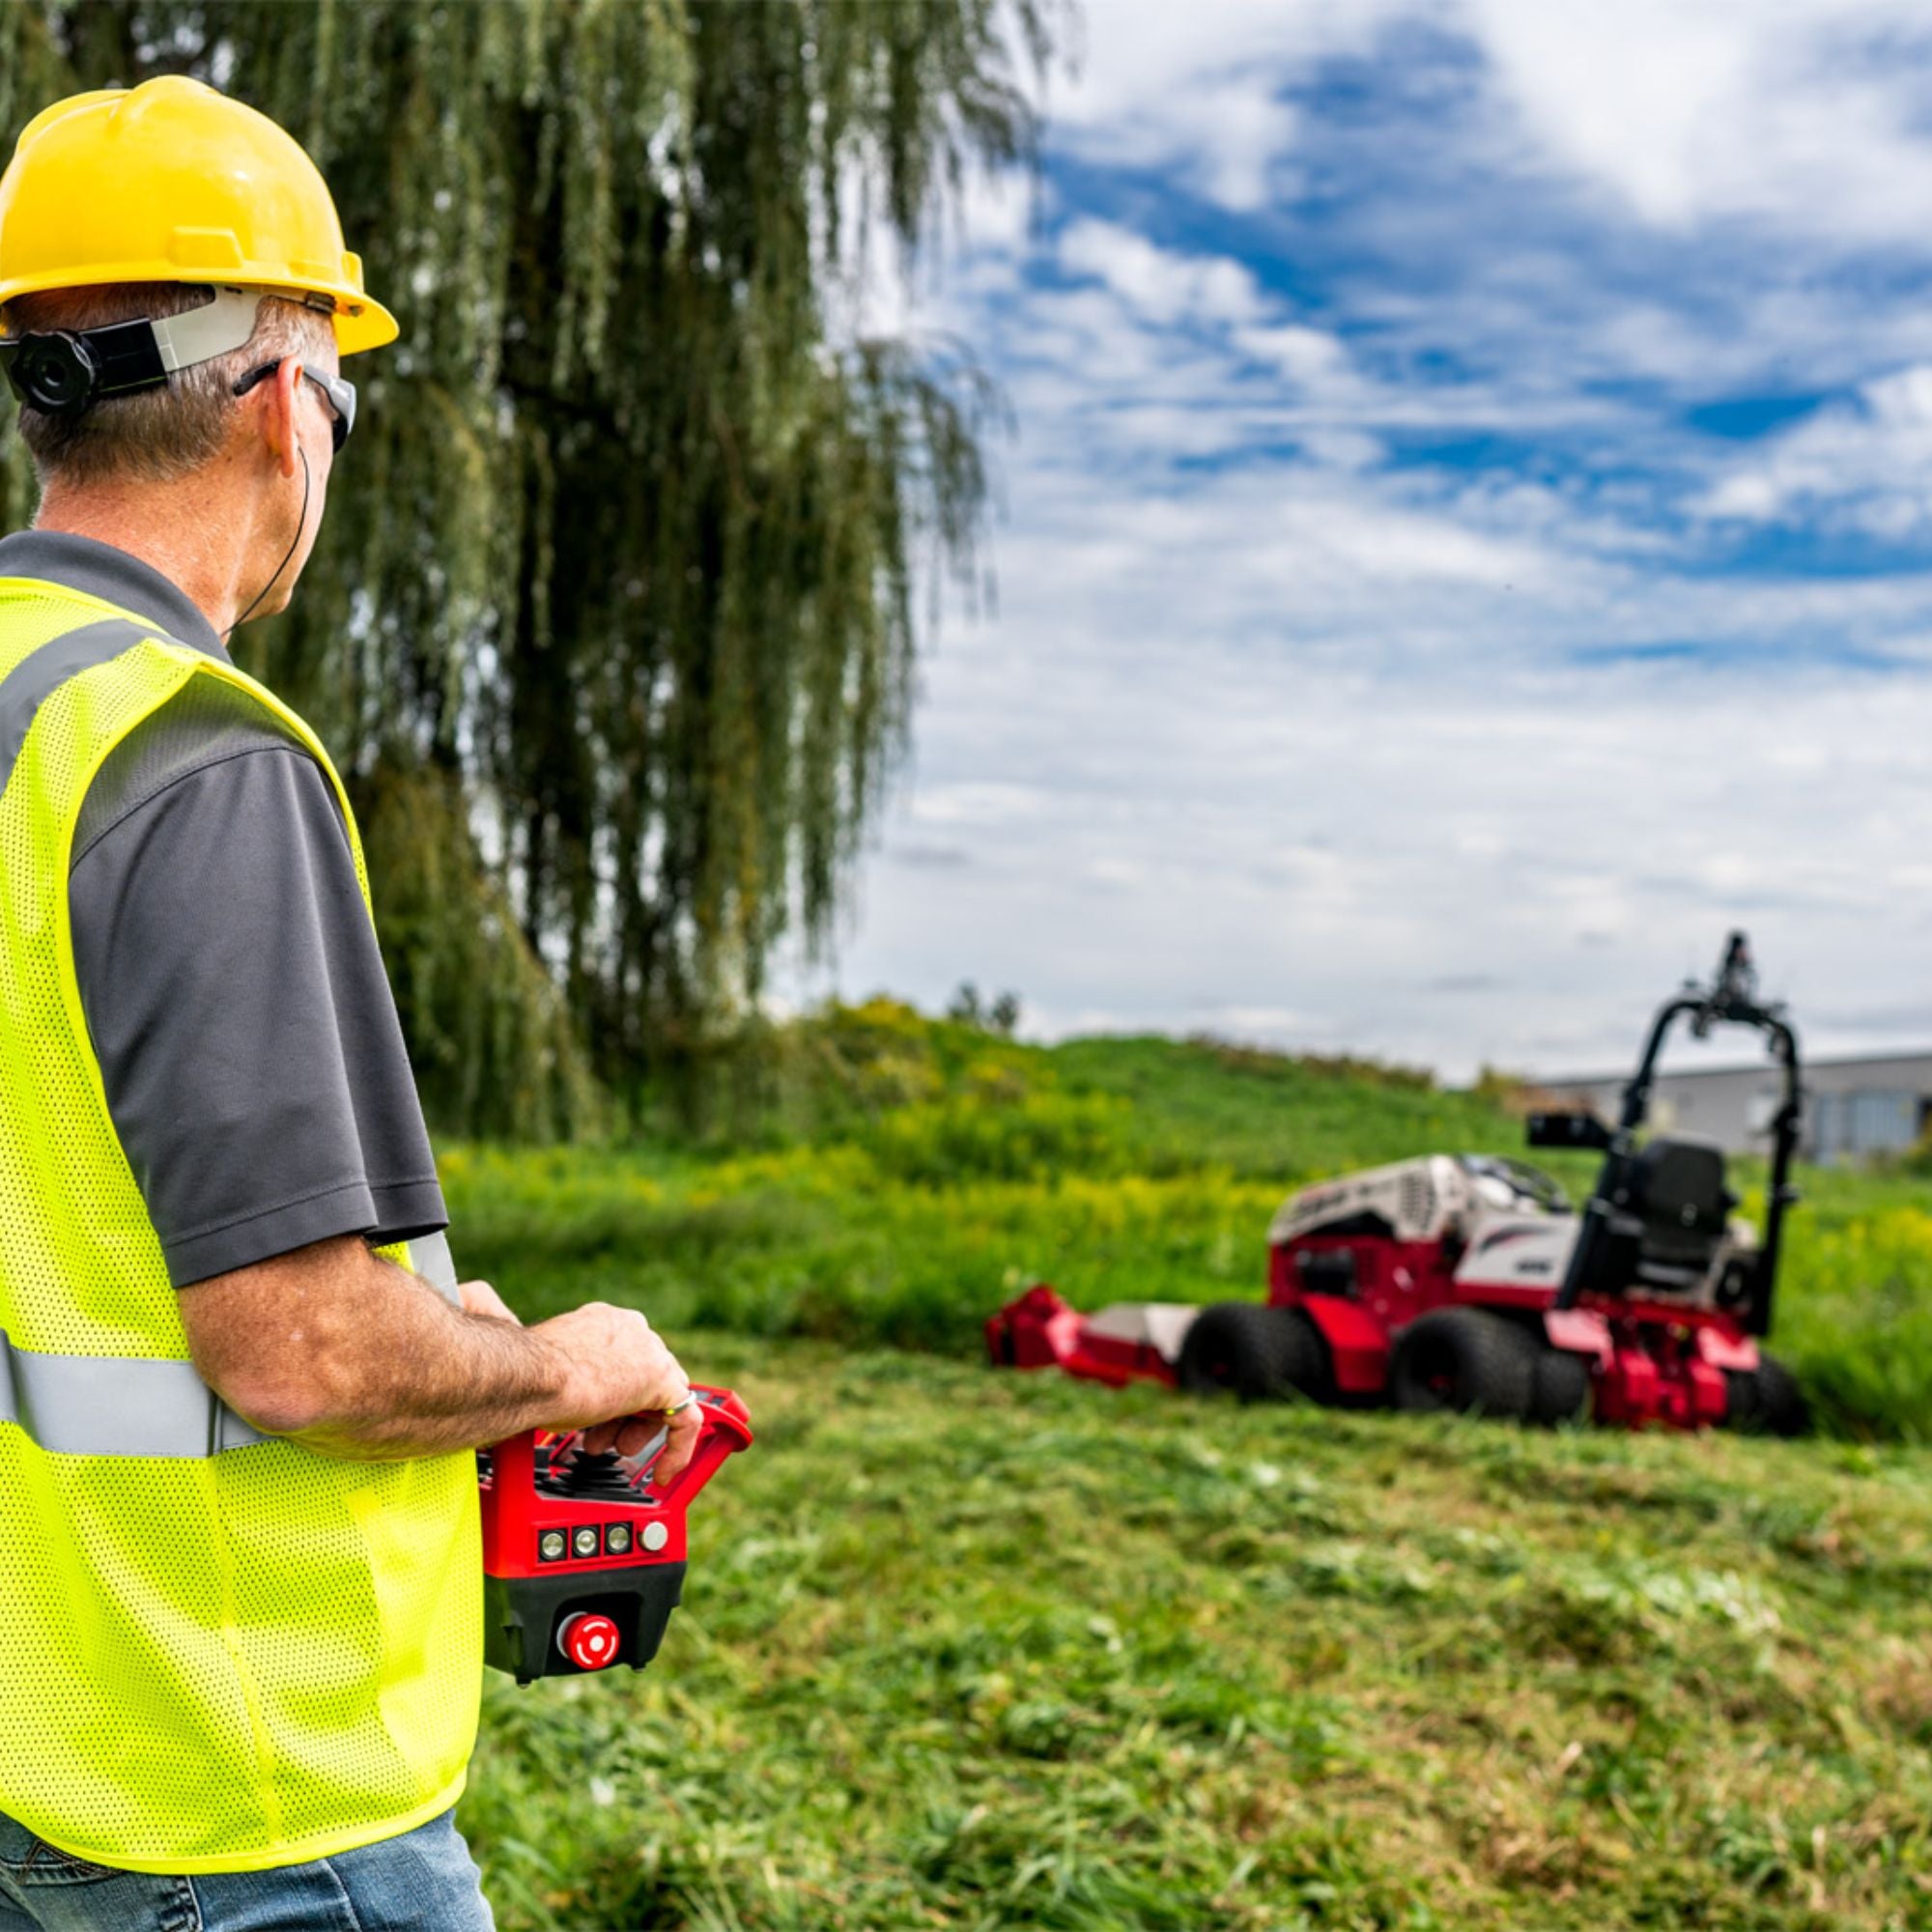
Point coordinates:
[[588, 1640]]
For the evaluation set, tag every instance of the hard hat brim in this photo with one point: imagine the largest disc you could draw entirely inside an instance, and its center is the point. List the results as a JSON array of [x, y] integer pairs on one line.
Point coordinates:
[[360, 320]]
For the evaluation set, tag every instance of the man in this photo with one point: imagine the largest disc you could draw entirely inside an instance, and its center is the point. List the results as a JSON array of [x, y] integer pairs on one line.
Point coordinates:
[[240, 1573]]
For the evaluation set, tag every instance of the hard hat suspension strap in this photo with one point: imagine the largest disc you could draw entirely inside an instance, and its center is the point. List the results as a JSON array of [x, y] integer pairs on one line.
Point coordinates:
[[64, 372]]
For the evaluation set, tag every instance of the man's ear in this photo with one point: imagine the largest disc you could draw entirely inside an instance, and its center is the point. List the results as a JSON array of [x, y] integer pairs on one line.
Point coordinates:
[[277, 414]]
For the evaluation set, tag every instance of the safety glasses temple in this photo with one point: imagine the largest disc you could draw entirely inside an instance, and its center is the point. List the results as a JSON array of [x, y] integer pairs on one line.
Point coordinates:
[[338, 391]]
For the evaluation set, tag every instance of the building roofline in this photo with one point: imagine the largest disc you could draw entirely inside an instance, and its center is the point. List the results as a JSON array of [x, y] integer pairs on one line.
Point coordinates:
[[1764, 1066]]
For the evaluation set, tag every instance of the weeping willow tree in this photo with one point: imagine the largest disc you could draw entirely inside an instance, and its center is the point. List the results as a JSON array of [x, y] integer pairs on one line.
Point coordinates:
[[612, 625]]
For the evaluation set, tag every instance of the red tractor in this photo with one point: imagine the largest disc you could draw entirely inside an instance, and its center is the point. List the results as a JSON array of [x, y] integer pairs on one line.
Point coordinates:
[[1469, 1282]]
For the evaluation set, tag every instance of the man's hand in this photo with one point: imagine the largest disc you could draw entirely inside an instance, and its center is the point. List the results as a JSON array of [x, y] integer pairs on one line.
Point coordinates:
[[618, 1365], [622, 1344]]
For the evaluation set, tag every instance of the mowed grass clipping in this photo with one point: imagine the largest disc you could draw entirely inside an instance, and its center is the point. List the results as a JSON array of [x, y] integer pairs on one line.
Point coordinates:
[[891, 1179], [963, 1649]]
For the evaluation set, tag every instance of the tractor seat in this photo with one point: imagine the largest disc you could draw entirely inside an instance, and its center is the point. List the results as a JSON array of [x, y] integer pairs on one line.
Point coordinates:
[[1678, 1199]]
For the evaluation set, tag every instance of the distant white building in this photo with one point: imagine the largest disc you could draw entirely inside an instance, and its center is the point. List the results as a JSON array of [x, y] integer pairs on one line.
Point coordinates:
[[1852, 1107]]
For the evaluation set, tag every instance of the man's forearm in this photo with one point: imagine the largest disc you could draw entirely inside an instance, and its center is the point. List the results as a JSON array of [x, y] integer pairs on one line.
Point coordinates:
[[374, 1365], [470, 1380], [357, 1359]]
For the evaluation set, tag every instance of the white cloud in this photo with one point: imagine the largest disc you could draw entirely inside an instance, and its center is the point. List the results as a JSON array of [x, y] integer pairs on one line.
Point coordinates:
[[1867, 463], [1196, 90], [1800, 115], [1157, 284], [1334, 841], [1310, 357]]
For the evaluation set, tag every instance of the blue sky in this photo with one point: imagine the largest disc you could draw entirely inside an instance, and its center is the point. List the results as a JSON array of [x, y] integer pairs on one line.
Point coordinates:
[[1467, 541]]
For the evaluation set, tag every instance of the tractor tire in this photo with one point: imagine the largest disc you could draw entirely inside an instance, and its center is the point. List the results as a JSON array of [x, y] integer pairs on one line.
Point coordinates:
[[1244, 1349], [1465, 1360], [1765, 1401], [1741, 1400], [1560, 1389], [1312, 1374]]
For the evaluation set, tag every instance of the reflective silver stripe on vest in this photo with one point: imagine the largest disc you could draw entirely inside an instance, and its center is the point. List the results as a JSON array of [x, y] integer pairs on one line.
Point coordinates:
[[42, 672], [430, 1256], [107, 1406]]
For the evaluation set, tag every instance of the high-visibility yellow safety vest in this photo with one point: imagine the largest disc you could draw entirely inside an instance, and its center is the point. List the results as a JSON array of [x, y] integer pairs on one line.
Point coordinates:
[[218, 1651]]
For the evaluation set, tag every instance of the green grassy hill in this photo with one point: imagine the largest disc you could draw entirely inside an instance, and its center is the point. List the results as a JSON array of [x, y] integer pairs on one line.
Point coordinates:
[[968, 1649], [891, 1179]]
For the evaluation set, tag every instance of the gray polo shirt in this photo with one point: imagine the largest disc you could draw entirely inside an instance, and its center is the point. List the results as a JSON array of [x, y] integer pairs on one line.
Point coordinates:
[[248, 1038]]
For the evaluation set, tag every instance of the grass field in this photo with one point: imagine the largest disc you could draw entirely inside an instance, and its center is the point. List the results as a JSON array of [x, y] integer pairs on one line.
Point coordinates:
[[967, 1648], [972, 1651]]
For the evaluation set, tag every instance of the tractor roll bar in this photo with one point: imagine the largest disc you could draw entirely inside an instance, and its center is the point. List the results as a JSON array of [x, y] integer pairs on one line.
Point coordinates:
[[1730, 1001]]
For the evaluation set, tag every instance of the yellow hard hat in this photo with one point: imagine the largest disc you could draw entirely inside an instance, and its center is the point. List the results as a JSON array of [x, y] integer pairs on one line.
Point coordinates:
[[171, 182]]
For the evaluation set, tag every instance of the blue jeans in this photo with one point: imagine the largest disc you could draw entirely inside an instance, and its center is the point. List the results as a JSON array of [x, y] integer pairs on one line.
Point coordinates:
[[421, 1882]]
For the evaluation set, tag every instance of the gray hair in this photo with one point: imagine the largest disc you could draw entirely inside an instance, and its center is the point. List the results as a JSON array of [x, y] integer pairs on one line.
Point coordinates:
[[154, 435]]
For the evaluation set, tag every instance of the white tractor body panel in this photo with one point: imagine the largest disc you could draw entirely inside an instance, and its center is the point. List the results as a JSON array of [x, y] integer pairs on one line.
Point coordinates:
[[1419, 1199], [1512, 1253]]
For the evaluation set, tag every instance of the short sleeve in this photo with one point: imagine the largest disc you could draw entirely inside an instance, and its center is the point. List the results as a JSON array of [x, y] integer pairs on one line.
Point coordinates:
[[248, 1042]]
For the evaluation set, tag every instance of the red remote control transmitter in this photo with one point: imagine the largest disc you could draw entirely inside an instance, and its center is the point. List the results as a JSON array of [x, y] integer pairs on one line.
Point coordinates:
[[583, 1555]]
